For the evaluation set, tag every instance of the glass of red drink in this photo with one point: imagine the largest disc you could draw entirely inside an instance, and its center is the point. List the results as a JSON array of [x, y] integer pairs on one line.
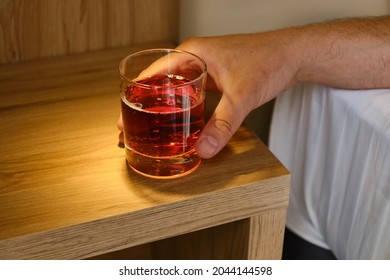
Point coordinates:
[[162, 99]]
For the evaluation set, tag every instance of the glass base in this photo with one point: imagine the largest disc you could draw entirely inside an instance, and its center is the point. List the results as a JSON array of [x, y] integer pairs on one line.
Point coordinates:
[[163, 168]]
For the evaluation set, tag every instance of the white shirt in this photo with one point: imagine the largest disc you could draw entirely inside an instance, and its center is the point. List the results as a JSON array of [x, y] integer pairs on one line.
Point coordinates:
[[336, 144]]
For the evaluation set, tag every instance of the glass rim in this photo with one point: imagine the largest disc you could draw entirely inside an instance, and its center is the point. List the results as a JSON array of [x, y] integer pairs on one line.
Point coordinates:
[[167, 51]]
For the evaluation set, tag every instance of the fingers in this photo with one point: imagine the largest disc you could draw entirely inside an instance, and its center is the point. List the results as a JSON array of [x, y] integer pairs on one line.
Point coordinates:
[[187, 66], [120, 123], [121, 143], [120, 127], [159, 66], [225, 121]]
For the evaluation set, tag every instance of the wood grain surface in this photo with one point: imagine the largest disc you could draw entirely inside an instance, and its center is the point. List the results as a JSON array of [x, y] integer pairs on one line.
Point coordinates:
[[65, 189], [31, 29]]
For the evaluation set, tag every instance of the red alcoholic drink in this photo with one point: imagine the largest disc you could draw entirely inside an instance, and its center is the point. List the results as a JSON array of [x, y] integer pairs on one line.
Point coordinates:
[[162, 116]]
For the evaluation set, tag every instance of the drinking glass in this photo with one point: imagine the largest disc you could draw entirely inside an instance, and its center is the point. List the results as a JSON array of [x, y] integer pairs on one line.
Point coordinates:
[[162, 99]]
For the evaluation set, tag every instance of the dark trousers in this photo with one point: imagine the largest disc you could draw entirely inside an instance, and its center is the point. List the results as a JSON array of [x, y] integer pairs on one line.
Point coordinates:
[[296, 248]]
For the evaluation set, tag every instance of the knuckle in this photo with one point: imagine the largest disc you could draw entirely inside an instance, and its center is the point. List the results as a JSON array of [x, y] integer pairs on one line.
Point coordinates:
[[223, 127]]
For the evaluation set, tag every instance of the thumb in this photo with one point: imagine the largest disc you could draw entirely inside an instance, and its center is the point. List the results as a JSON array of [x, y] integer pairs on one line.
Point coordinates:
[[225, 121]]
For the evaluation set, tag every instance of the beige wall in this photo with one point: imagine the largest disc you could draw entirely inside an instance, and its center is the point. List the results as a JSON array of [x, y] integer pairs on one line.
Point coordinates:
[[219, 17]]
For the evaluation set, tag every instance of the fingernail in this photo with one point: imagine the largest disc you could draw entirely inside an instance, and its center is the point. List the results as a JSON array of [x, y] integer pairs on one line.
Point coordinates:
[[208, 146]]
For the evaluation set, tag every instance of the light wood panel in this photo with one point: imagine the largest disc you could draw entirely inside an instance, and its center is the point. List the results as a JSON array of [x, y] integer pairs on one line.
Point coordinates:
[[66, 192], [266, 233], [263, 233], [31, 29], [226, 241]]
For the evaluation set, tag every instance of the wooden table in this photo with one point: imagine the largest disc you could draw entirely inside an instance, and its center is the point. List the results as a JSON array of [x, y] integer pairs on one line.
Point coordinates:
[[66, 192]]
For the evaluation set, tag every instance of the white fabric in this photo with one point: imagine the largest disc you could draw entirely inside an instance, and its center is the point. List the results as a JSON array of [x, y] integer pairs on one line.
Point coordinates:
[[336, 144]]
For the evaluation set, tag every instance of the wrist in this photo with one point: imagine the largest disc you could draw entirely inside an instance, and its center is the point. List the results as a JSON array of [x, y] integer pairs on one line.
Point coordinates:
[[345, 53]]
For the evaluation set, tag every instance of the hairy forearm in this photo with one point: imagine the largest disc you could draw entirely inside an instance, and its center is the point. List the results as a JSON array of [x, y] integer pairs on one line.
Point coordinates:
[[352, 53]]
